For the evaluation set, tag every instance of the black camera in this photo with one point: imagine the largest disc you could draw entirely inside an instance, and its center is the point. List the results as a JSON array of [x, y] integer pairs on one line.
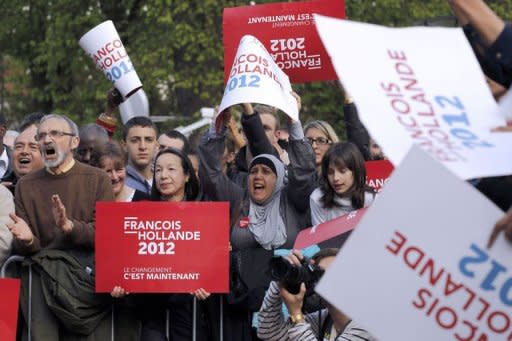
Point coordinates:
[[291, 275]]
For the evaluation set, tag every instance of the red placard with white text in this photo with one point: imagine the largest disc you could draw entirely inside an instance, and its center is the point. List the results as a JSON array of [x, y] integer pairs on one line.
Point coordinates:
[[162, 246], [288, 32], [9, 295], [328, 229], [377, 173]]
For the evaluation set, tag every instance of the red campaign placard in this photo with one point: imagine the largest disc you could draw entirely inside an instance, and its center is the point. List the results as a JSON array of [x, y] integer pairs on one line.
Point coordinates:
[[377, 173], [162, 246], [10, 296], [287, 30], [328, 229]]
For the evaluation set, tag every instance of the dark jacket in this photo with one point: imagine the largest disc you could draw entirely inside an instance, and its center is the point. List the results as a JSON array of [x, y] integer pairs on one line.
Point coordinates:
[[64, 303], [495, 60], [249, 261], [356, 131], [67, 280], [294, 196], [498, 190]]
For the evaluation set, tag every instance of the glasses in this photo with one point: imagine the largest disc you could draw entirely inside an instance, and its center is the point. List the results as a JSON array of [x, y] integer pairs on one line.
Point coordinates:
[[53, 134], [319, 141]]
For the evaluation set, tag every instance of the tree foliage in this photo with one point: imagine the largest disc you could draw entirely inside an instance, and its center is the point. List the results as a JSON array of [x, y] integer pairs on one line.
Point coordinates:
[[175, 46]]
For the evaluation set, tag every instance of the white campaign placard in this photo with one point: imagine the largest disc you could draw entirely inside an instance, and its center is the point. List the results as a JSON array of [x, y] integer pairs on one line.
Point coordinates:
[[103, 45], [417, 267], [420, 86], [504, 108], [256, 78]]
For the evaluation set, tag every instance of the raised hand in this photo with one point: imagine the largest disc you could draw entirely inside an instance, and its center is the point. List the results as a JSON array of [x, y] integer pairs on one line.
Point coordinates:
[[20, 229], [505, 225], [59, 214]]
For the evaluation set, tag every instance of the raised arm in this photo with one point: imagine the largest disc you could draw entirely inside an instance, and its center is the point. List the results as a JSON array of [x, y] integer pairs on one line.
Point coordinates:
[[255, 132], [302, 168], [480, 16], [216, 185], [273, 326], [489, 36], [237, 136], [356, 131], [271, 322]]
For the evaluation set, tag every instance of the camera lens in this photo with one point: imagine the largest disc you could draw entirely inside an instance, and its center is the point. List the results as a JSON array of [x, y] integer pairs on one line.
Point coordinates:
[[290, 275], [279, 268]]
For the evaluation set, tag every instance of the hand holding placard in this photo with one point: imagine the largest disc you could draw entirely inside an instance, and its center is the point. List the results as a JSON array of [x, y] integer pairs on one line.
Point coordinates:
[[200, 294], [442, 280], [162, 247], [255, 78], [505, 225], [299, 106]]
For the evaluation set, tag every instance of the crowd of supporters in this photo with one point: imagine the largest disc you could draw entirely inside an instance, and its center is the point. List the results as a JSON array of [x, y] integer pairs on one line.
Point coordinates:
[[277, 183]]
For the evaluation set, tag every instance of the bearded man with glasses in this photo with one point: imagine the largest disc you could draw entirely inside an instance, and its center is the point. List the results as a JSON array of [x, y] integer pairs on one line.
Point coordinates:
[[54, 227]]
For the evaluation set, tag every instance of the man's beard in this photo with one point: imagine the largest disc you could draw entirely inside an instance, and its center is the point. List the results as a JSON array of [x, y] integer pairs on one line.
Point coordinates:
[[58, 161]]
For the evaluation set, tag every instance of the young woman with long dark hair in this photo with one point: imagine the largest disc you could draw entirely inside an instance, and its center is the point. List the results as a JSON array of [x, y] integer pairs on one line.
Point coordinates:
[[343, 184]]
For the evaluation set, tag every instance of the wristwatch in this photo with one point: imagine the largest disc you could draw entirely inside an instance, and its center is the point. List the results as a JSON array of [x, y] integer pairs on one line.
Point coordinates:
[[297, 318]]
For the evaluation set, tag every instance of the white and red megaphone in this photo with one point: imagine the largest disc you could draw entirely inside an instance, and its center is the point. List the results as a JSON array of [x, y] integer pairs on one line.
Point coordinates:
[[103, 45]]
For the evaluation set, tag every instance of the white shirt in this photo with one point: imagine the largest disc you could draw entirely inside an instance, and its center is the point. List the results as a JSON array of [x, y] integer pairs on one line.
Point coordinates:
[[320, 214], [4, 162]]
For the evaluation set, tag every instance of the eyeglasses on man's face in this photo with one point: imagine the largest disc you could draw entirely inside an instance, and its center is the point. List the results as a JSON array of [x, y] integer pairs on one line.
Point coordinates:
[[321, 141], [52, 133]]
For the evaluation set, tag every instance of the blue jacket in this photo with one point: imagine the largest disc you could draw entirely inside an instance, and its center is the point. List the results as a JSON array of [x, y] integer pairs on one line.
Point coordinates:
[[136, 181]]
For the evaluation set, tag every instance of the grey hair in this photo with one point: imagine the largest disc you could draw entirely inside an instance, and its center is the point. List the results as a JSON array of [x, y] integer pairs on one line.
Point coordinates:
[[93, 129], [72, 125]]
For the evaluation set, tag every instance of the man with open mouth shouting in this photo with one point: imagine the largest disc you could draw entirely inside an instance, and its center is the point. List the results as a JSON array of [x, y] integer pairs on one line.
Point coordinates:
[[26, 157], [54, 225]]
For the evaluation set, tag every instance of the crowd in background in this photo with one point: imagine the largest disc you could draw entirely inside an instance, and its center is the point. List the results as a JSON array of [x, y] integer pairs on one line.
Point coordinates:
[[277, 179]]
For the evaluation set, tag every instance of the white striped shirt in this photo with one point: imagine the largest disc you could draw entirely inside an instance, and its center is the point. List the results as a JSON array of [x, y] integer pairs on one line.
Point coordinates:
[[273, 326]]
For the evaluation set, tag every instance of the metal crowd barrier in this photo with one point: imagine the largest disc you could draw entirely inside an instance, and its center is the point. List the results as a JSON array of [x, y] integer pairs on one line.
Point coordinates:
[[194, 321], [20, 259]]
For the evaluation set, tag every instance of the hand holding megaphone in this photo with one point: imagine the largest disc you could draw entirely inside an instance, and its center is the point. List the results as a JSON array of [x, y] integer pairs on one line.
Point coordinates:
[[114, 99]]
